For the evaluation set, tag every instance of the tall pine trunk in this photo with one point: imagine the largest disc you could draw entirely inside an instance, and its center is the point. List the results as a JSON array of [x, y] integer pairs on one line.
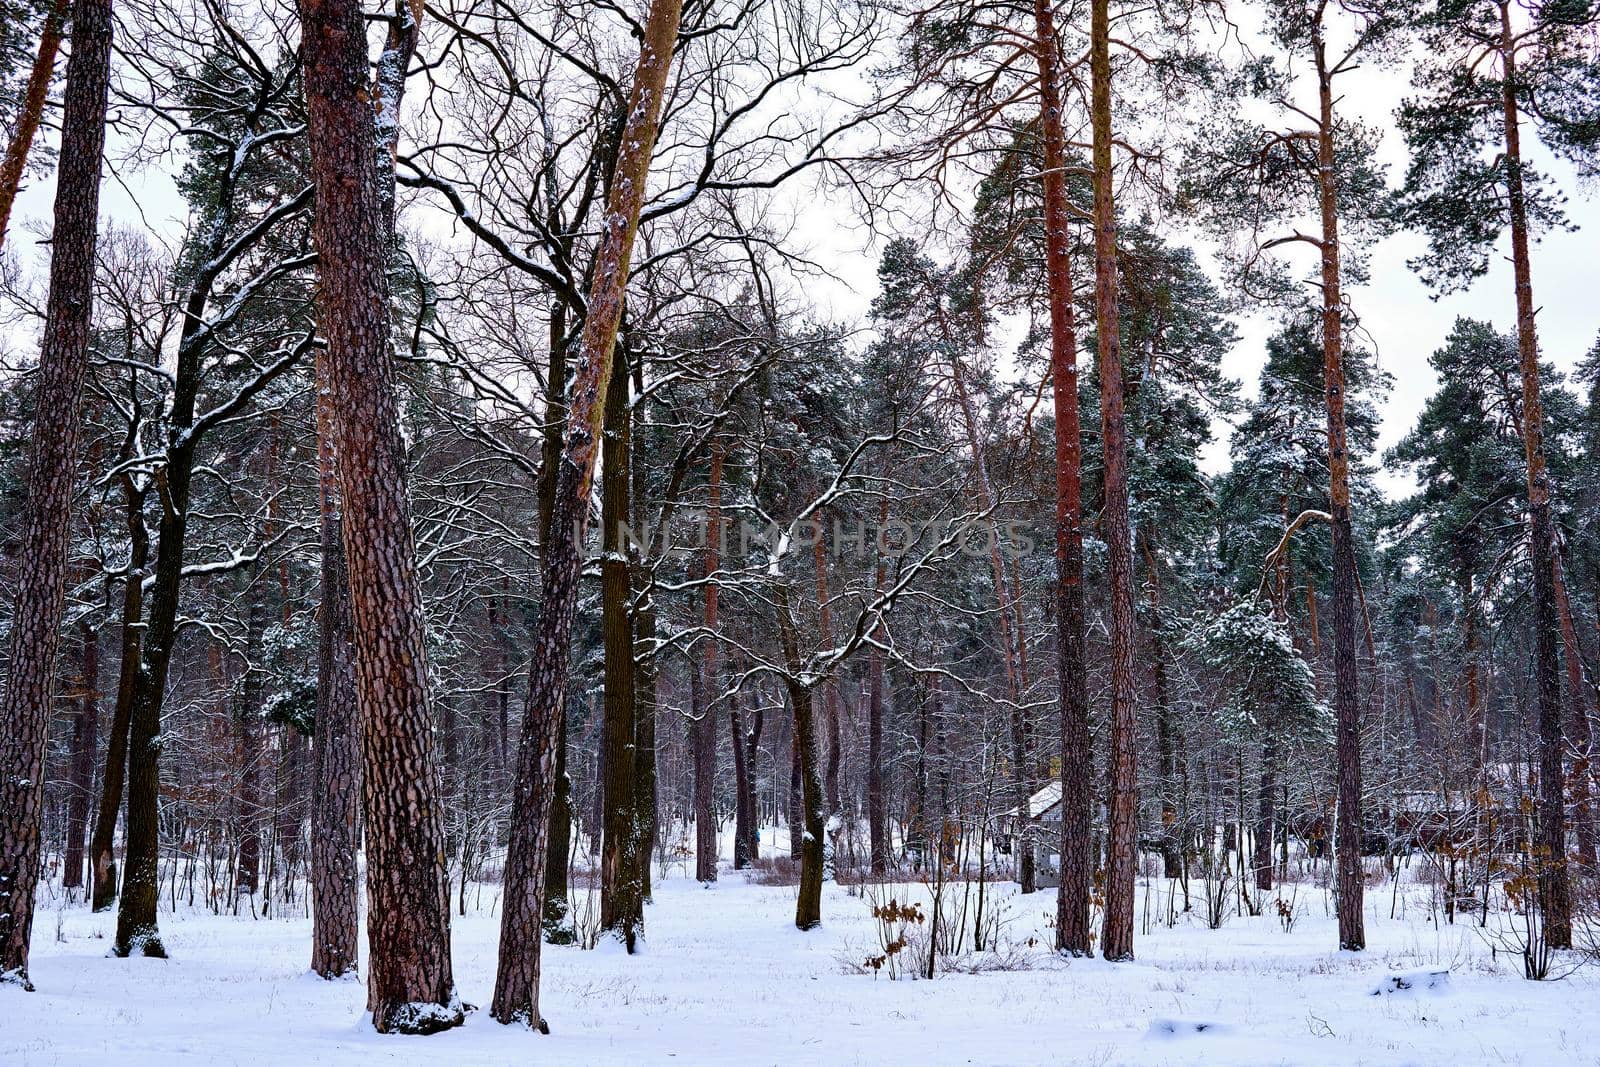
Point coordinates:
[[1348, 885], [410, 987], [1555, 893], [46, 519], [1072, 896], [1116, 942], [336, 744]]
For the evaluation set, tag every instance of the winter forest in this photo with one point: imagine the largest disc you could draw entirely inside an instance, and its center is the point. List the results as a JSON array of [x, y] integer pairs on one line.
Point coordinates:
[[799, 531]]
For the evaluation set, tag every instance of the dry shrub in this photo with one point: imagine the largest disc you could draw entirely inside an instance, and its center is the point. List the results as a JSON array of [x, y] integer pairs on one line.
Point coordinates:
[[1006, 955], [894, 922], [775, 870]]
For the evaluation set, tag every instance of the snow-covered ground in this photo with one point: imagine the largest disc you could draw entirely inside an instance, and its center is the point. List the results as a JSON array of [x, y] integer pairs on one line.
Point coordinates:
[[726, 979]]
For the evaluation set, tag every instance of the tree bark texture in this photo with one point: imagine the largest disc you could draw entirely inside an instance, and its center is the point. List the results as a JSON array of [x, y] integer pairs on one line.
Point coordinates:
[[336, 791], [47, 513], [1077, 775], [410, 987], [621, 896], [1116, 941]]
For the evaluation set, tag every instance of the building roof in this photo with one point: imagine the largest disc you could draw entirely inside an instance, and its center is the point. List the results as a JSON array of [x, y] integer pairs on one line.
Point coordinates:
[[1045, 800]]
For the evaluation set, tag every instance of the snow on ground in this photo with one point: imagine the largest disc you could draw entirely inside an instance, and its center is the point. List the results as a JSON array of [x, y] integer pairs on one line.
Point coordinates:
[[726, 979]]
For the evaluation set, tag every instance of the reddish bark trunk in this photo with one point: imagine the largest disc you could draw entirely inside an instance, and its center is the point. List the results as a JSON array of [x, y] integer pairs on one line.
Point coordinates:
[[1072, 898], [46, 520], [1555, 894], [1116, 941], [1348, 887], [31, 113], [410, 987]]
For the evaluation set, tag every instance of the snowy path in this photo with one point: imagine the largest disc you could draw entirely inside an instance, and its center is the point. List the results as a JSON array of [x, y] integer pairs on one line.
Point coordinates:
[[727, 980]]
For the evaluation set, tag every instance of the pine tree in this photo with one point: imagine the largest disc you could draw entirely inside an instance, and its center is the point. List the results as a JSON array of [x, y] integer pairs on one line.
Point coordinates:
[[1116, 937], [1250, 180], [336, 742], [1493, 62], [63, 360], [409, 984], [1076, 882]]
